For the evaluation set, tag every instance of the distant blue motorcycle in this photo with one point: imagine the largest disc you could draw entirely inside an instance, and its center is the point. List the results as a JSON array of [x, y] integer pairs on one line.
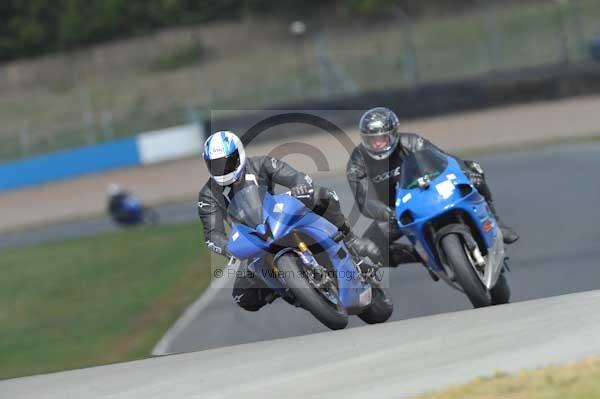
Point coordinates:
[[298, 254], [128, 210], [452, 227]]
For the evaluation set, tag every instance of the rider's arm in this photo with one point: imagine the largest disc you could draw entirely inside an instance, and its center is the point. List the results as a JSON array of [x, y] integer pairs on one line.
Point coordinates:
[[359, 182], [413, 142], [212, 218], [282, 173]]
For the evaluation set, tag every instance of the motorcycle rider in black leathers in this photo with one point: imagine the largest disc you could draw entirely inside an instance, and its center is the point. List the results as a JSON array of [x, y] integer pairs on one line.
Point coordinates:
[[117, 199], [374, 169], [230, 171]]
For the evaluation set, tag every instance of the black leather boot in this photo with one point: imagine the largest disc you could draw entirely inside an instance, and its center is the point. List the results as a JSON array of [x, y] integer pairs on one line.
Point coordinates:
[[509, 235], [360, 247], [401, 253]]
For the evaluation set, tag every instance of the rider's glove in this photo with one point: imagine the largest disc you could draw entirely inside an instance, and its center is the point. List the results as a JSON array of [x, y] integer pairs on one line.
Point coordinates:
[[305, 193]]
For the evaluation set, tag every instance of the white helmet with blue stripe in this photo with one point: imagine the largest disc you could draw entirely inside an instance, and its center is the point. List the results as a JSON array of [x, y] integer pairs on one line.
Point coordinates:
[[225, 157]]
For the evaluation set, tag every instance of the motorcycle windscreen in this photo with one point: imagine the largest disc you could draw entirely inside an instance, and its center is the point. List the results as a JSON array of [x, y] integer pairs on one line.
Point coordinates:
[[422, 164], [246, 207]]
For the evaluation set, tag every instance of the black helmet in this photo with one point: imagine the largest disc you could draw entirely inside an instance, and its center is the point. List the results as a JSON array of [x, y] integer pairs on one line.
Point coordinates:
[[379, 132]]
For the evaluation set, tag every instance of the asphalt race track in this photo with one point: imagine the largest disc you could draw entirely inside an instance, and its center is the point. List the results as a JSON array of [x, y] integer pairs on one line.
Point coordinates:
[[391, 360], [549, 195], [170, 213]]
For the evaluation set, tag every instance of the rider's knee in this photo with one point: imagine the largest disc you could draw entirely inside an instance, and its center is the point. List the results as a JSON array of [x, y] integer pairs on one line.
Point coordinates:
[[249, 293]]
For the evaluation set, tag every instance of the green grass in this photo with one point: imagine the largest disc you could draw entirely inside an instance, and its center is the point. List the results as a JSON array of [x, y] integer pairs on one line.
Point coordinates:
[[193, 53], [96, 300], [575, 381]]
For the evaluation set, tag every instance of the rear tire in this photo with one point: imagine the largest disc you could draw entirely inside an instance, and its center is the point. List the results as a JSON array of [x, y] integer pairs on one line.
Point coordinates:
[[465, 274], [333, 316], [501, 291], [381, 307]]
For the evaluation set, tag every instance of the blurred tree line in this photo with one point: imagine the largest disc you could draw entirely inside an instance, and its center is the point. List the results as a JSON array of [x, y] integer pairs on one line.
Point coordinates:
[[30, 27]]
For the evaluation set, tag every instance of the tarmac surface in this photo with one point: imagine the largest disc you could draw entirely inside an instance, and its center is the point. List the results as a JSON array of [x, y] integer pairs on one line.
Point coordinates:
[[550, 196], [392, 360]]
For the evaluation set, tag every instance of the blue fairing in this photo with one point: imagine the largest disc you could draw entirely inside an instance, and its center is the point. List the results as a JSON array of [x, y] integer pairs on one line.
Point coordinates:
[[283, 213], [442, 196], [243, 243], [282, 216]]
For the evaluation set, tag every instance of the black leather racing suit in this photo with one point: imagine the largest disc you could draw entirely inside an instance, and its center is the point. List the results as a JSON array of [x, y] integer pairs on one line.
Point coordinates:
[[373, 185], [213, 200]]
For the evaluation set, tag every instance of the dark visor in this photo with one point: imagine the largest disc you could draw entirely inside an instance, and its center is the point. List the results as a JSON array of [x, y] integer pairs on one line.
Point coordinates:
[[223, 166]]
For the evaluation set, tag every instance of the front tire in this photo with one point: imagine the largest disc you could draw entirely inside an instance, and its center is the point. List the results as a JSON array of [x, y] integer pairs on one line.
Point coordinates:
[[381, 307], [332, 315], [463, 270]]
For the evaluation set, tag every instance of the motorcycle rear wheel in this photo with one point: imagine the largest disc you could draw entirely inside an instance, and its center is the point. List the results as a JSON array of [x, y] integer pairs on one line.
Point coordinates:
[[332, 315], [381, 307]]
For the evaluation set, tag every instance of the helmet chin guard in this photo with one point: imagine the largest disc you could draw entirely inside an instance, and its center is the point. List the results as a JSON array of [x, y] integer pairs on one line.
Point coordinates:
[[229, 178]]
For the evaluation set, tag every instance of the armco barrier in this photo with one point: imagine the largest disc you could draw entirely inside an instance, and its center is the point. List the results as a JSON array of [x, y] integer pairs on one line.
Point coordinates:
[[146, 148]]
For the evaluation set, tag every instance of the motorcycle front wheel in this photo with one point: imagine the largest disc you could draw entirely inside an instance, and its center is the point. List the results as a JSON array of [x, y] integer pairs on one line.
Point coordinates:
[[464, 273], [501, 291], [325, 306]]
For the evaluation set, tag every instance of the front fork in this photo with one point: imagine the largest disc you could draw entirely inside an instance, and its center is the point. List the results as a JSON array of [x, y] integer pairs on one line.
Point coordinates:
[[316, 274], [322, 277]]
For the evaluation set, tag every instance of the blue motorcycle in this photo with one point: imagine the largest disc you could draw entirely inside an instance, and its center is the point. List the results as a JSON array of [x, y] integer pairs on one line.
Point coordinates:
[[452, 227], [299, 255], [132, 212]]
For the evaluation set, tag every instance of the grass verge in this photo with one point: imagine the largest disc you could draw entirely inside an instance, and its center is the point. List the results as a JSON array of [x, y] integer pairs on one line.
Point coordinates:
[[574, 381], [96, 300]]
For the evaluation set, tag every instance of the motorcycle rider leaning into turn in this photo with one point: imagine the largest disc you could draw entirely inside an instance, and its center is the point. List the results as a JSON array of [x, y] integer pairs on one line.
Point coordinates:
[[374, 169], [230, 171]]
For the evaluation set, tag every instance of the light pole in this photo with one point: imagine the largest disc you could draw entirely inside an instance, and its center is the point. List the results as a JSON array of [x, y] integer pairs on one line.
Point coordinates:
[[409, 43], [298, 30]]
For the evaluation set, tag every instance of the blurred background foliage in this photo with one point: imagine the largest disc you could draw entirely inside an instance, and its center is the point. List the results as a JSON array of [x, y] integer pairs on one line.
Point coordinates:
[[39, 26], [76, 72]]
